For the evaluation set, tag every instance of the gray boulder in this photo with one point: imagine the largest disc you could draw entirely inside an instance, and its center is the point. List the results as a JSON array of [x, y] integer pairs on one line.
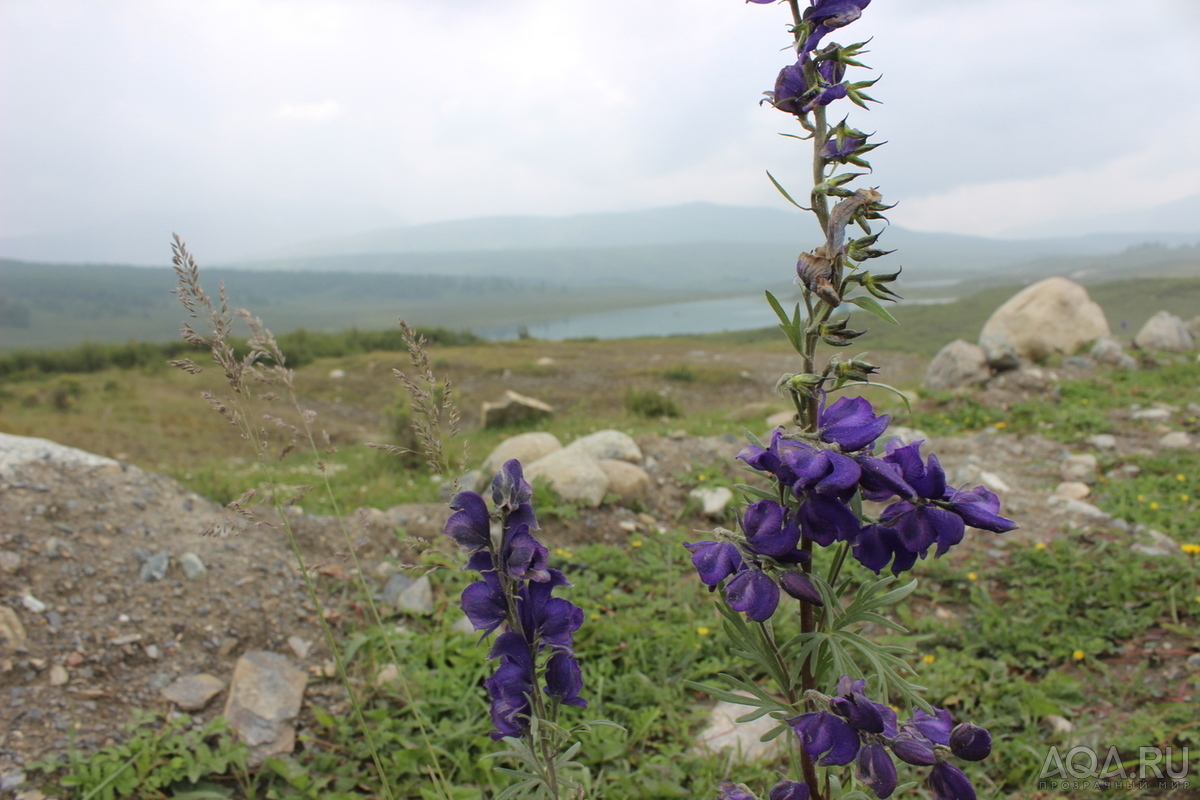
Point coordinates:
[[608, 444], [957, 365], [514, 409], [1165, 331], [627, 481], [574, 474], [525, 447], [1051, 316], [999, 351]]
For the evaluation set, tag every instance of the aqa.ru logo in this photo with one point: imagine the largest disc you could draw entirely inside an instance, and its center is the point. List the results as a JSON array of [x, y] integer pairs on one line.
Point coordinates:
[[1083, 763]]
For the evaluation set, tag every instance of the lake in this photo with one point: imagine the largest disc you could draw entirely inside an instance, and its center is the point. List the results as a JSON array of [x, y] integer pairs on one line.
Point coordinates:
[[740, 313]]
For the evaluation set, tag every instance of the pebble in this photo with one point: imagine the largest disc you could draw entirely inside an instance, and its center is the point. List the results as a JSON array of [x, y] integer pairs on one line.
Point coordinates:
[[55, 547], [58, 675], [193, 692], [192, 566], [32, 603], [1079, 468], [1176, 440], [9, 561], [418, 597], [712, 501], [1074, 490], [1103, 441], [299, 646], [1152, 415], [155, 568], [11, 780], [395, 587], [994, 482]]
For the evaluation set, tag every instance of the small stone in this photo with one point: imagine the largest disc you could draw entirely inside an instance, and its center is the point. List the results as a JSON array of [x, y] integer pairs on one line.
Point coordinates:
[[227, 646], [11, 780], [12, 632], [742, 740], [1176, 440], [712, 501], [395, 587], [9, 561], [1103, 441], [299, 646], [193, 692], [628, 525], [32, 603], [463, 625], [1193, 661], [417, 598], [1079, 468], [1074, 490], [1151, 415], [58, 675], [1058, 724], [388, 675], [337, 374], [192, 566], [155, 567], [264, 697], [994, 482], [55, 547], [152, 652]]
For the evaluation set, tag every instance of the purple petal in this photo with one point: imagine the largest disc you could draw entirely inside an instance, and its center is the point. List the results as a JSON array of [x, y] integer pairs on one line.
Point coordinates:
[[851, 422], [799, 586], [727, 790], [914, 749], [935, 728], [826, 520], [753, 593], [469, 525], [970, 742], [789, 790], [948, 782], [768, 529], [714, 561], [484, 606], [979, 508], [564, 680], [509, 487], [881, 480], [821, 732], [525, 557], [876, 770]]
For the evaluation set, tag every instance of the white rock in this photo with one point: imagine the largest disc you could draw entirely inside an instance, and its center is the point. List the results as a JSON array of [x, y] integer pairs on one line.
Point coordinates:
[[17, 450], [780, 418], [994, 482], [1073, 490], [1165, 331], [1079, 468], [513, 408], [712, 500], [1051, 316], [1082, 509], [1103, 441], [1176, 440], [627, 481], [58, 675], [545, 361], [32, 603], [525, 447], [957, 365], [608, 444], [337, 374], [299, 646], [574, 474], [1151, 415], [741, 739]]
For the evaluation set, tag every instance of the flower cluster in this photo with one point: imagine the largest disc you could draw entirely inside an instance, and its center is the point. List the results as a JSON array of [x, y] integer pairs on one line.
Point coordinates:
[[851, 728], [516, 592], [817, 480]]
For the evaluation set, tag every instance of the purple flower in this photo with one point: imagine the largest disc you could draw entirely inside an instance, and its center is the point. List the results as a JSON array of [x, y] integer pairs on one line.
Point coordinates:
[[753, 593], [789, 790], [826, 520], [822, 471], [948, 782], [483, 601], [799, 586], [826, 735], [793, 95], [510, 490], [714, 561], [970, 742], [839, 151], [564, 680], [769, 529], [875, 769], [912, 748], [920, 526], [851, 423], [511, 685], [978, 508], [852, 705], [551, 621], [935, 727], [826, 15], [469, 525], [525, 558]]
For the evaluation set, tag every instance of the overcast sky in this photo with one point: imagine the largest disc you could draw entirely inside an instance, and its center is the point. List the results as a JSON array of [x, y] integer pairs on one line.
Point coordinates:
[[311, 117]]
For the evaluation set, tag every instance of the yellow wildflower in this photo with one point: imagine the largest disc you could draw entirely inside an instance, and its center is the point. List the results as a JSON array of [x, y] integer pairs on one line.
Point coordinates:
[[702, 631], [971, 576], [928, 659], [1078, 655]]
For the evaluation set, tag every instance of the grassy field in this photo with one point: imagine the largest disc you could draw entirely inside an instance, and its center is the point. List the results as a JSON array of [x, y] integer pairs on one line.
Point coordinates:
[[1068, 629]]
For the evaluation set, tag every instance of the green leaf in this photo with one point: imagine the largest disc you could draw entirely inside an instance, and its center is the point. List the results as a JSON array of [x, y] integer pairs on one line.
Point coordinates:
[[868, 303], [783, 192]]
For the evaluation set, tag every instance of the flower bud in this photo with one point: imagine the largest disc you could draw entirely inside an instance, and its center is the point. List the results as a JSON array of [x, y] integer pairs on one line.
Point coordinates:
[[799, 586], [915, 750], [970, 742]]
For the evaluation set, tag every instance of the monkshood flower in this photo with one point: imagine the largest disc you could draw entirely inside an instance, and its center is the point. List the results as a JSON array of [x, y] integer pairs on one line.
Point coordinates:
[[794, 95], [827, 15], [948, 782], [516, 592]]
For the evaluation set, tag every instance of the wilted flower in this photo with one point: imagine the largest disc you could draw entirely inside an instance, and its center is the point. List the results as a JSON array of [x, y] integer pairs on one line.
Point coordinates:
[[826, 15], [794, 95]]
